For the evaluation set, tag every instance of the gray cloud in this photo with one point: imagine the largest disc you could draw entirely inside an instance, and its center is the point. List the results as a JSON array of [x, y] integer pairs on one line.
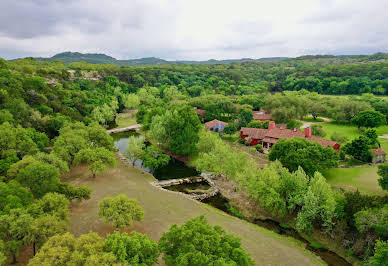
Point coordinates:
[[192, 29]]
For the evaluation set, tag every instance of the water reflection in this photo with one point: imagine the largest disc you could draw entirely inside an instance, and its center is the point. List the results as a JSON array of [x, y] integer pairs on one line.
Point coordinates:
[[174, 169]]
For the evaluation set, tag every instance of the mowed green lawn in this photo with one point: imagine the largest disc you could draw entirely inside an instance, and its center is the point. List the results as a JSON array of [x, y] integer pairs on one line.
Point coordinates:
[[362, 178], [163, 208], [349, 131]]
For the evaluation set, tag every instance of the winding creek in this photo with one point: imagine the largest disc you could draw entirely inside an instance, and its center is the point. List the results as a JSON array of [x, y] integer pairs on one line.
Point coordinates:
[[177, 169]]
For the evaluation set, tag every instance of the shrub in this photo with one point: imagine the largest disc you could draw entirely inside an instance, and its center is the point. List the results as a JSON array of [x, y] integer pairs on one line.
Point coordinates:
[[259, 147], [338, 137], [291, 124], [318, 131]]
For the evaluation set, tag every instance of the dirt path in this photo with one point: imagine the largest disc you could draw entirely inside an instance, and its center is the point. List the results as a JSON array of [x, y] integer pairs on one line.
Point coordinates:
[[385, 136], [309, 124], [162, 209]]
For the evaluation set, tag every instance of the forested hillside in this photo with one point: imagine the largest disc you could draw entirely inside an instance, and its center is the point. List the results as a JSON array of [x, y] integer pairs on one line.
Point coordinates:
[[53, 117]]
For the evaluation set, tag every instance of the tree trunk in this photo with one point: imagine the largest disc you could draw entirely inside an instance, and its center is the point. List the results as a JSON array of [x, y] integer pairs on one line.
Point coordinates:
[[94, 175], [34, 248], [14, 261]]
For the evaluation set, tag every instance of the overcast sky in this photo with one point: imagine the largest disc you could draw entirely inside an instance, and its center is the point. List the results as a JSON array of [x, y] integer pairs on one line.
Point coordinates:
[[193, 29]]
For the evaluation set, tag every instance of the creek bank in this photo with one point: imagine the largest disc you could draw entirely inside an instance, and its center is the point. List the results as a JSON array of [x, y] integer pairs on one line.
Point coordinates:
[[240, 204], [330, 257], [173, 170], [197, 194]]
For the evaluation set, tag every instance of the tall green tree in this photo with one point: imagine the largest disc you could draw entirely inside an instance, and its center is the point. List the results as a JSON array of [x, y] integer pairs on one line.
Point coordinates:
[[136, 249], [311, 156], [42, 228], [213, 245], [135, 148], [177, 129], [12, 196], [120, 211], [3, 257], [319, 205], [380, 256], [97, 158], [40, 178], [369, 118], [13, 228], [154, 158], [359, 149], [65, 249], [383, 173]]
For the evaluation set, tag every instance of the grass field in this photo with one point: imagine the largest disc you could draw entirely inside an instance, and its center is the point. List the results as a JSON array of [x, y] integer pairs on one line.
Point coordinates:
[[126, 119], [163, 208], [311, 119], [349, 131], [362, 178]]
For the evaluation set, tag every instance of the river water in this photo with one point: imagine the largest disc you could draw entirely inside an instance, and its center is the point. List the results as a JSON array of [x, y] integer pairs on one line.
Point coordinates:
[[174, 168]]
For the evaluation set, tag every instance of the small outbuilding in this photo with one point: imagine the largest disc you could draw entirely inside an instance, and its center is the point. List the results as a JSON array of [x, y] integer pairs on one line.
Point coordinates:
[[216, 125], [378, 155]]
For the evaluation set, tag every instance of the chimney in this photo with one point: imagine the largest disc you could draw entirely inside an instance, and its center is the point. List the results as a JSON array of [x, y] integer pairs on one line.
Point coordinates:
[[271, 125], [307, 132]]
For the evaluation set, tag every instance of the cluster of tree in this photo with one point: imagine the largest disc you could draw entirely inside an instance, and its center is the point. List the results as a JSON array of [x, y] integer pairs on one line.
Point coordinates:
[[328, 76], [33, 200], [358, 221], [359, 147], [299, 152], [138, 249], [34, 222]]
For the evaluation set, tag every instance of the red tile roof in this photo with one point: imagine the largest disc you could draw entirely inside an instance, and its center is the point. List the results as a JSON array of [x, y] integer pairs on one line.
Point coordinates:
[[214, 122], [278, 133], [200, 112], [273, 135], [256, 133], [325, 143], [377, 152]]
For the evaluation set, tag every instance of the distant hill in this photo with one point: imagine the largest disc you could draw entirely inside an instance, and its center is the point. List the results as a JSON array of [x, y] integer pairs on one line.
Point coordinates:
[[72, 57]]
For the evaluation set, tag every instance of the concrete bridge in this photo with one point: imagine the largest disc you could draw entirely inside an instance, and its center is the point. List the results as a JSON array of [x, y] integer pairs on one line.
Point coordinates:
[[124, 129]]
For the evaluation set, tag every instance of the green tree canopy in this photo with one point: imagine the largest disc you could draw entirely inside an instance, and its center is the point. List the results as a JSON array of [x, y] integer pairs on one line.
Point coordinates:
[[319, 205], [40, 178], [177, 129], [97, 158], [198, 243], [3, 257], [120, 211], [380, 256], [65, 249], [13, 228], [383, 173], [135, 148], [311, 156], [53, 204], [12, 196], [153, 157], [359, 149], [136, 249], [369, 118], [42, 228]]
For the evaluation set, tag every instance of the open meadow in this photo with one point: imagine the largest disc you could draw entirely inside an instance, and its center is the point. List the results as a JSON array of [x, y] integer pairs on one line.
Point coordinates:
[[162, 209], [362, 178]]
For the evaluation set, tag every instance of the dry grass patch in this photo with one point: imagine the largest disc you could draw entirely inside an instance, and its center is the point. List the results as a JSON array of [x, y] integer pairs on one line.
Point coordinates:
[[163, 208]]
